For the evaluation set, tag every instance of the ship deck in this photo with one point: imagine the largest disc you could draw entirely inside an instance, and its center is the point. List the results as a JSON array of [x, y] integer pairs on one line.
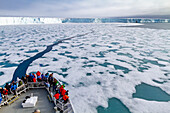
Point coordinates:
[[43, 103]]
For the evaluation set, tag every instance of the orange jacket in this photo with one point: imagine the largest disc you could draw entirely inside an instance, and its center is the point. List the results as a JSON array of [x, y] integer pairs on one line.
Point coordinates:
[[65, 97]]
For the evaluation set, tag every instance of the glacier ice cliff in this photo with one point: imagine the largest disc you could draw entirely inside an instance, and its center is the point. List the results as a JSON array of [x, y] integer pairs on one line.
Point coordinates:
[[41, 20], [28, 20]]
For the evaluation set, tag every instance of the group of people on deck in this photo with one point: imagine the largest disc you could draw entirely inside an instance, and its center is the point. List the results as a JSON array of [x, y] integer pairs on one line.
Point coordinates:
[[48, 80], [38, 77], [9, 88], [61, 93]]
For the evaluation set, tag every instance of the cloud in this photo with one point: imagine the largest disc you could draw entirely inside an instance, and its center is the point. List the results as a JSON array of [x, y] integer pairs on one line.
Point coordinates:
[[87, 8]]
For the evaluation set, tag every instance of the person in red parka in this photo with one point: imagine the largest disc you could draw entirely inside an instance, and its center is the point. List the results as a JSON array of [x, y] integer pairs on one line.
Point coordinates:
[[34, 79], [57, 96], [63, 92], [5, 93], [38, 73], [61, 88]]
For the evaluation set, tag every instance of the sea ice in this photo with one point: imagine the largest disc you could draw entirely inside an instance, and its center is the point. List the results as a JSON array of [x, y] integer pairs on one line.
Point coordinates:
[[107, 63]]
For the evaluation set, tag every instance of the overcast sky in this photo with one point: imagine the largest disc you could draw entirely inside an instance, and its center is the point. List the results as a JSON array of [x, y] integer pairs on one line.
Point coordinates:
[[84, 8]]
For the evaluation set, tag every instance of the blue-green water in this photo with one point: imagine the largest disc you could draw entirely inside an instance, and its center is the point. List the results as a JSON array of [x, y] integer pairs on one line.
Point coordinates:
[[114, 106], [151, 93]]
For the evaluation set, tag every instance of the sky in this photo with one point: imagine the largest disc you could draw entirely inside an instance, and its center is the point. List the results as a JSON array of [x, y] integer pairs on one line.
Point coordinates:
[[84, 8]]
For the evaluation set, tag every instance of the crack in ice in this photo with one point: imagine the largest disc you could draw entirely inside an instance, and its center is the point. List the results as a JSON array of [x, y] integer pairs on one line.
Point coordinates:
[[22, 68]]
